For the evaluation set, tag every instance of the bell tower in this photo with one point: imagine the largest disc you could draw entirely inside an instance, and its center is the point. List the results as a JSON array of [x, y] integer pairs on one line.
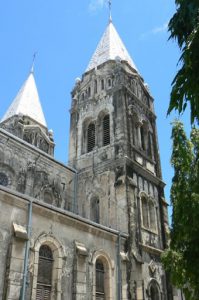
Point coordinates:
[[114, 147]]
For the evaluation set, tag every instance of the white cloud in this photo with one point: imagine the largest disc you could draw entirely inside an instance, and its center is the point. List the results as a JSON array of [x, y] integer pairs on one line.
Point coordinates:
[[160, 29], [156, 30], [95, 5]]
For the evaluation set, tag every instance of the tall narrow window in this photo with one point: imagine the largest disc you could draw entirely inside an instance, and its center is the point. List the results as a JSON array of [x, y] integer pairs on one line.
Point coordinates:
[[142, 133], [95, 213], [145, 218], [152, 215], [95, 86], [106, 130], [149, 150], [100, 291], [91, 137], [89, 91], [102, 84], [44, 278], [109, 83], [154, 292]]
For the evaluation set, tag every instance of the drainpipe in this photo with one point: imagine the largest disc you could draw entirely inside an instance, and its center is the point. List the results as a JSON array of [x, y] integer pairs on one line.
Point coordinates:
[[119, 277], [75, 194], [27, 248]]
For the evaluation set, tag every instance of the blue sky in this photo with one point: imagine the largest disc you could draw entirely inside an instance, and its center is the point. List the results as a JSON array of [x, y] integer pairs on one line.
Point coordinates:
[[65, 34]]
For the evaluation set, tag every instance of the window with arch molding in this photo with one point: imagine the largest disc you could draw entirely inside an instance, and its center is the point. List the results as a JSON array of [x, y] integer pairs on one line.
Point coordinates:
[[99, 280], [106, 130], [44, 277], [154, 291], [109, 83], [148, 213], [145, 216], [90, 137]]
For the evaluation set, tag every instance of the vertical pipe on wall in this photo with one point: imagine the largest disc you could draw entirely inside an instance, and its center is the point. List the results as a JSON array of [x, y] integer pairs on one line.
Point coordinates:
[[119, 277], [27, 248], [75, 210]]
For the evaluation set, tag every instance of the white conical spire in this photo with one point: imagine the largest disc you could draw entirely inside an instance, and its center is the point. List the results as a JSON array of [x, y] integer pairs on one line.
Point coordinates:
[[27, 102], [110, 47]]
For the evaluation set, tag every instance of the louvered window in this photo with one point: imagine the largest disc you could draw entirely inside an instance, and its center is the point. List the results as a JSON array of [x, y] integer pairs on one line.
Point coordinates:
[[100, 292], [44, 277], [91, 137], [106, 130]]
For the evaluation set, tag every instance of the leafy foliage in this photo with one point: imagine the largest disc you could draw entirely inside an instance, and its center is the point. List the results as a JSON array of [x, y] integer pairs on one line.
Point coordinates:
[[182, 257], [184, 27]]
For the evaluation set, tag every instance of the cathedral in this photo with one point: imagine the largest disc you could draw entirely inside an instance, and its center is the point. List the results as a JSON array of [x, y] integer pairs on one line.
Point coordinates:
[[93, 229]]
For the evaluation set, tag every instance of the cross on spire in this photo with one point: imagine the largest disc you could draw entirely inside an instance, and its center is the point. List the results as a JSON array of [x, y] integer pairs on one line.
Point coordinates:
[[110, 7], [33, 62]]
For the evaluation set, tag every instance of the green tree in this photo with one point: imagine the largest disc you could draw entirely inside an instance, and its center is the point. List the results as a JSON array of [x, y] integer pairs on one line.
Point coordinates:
[[184, 27], [181, 260]]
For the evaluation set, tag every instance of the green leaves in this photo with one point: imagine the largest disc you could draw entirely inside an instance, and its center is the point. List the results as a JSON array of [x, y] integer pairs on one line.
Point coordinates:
[[182, 259], [184, 27]]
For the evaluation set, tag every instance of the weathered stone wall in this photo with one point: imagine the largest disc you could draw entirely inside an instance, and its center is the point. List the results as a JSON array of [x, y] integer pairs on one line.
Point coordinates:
[[76, 244], [32, 172]]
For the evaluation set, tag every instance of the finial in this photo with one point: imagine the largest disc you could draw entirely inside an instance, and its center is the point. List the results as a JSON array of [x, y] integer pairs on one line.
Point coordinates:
[[33, 62], [110, 6]]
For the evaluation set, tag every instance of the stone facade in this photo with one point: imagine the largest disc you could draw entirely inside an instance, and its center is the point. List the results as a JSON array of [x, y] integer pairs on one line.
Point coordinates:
[[94, 229]]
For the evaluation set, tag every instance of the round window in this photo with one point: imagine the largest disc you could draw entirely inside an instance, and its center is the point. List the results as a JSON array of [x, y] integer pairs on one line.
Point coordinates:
[[3, 179]]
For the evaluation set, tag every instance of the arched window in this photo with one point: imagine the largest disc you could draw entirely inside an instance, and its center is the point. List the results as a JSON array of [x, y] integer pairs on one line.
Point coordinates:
[[95, 86], [91, 137], [95, 211], [44, 278], [152, 215], [89, 91], [148, 213], [109, 83], [154, 292], [106, 130], [145, 217], [99, 280]]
